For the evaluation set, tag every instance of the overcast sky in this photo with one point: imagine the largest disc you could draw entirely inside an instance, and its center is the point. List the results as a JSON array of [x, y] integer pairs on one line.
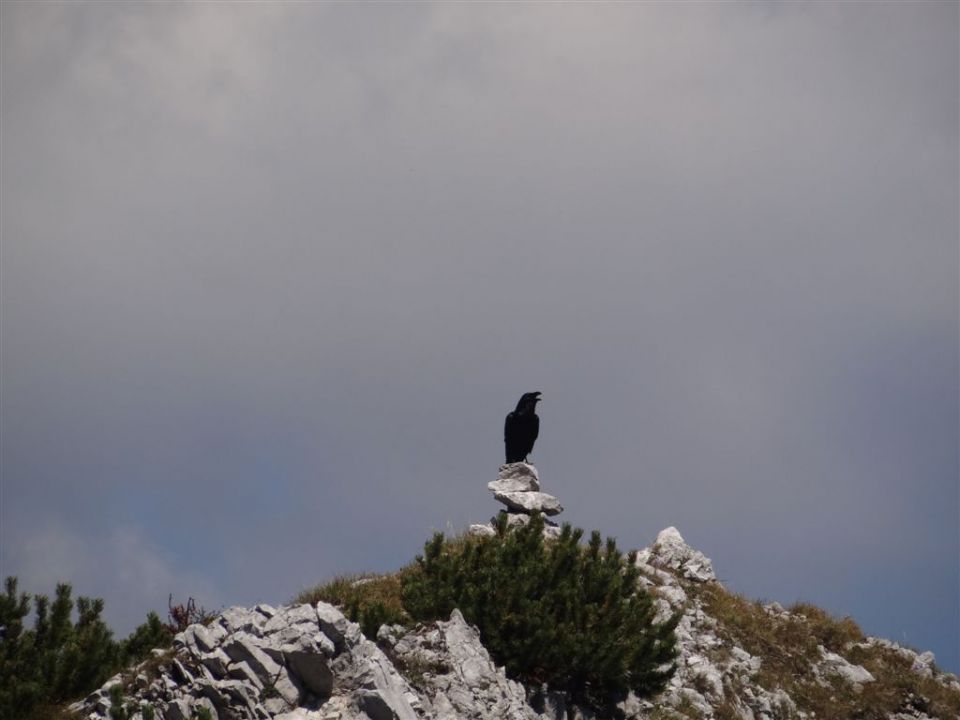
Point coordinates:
[[273, 274]]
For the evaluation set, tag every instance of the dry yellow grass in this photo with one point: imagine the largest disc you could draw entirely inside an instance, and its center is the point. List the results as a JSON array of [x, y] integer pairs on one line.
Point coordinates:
[[789, 644], [358, 595]]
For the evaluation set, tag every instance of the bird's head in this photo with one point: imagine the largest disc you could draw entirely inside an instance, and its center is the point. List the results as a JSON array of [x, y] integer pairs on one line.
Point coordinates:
[[528, 402]]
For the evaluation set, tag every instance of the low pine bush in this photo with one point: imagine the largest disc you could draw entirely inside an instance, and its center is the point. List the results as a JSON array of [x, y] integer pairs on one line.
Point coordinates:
[[550, 611], [60, 659], [56, 660]]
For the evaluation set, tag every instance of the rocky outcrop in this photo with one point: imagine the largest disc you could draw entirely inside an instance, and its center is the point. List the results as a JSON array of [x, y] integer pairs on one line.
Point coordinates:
[[308, 662], [670, 552], [300, 662], [716, 677], [455, 675]]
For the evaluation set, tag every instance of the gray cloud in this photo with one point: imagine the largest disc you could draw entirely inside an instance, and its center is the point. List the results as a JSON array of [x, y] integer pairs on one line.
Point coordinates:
[[273, 274]]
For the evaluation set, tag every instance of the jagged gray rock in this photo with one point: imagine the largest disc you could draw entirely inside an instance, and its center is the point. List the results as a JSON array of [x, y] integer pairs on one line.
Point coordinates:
[[458, 678], [264, 663], [516, 477], [672, 552], [519, 470], [308, 662], [530, 502], [833, 664]]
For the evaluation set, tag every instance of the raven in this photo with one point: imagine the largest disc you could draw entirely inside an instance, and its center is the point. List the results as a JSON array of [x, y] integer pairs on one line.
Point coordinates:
[[521, 428]]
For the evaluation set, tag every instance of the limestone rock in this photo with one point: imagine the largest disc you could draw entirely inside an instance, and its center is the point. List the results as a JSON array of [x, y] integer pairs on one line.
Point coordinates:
[[671, 551], [516, 477], [460, 680], [308, 662], [518, 487], [241, 647], [530, 502], [522, 485], [269, 662], [834, 664], [481, 530], [519, 471], [234, 619], [335, 626]]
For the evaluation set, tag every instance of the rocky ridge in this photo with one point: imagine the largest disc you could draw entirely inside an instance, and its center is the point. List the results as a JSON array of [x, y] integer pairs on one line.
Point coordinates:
[[308, 662]]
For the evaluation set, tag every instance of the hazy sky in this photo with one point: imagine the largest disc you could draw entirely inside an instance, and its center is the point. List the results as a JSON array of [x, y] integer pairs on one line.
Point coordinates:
[[272, 275]]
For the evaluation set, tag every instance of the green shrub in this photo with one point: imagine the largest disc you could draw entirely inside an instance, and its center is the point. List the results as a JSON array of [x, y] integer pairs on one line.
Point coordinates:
[[551, 612], [151, 634], [60, 659], [56, 660], [18, 682]]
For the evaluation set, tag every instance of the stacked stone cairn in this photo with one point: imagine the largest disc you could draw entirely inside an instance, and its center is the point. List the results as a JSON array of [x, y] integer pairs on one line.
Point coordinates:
[[518, 487]]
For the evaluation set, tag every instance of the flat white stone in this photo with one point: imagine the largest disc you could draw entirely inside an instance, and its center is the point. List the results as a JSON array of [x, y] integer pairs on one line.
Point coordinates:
[[518, 470], [837, 665], [513, 485], [515, 477], [530, 502]]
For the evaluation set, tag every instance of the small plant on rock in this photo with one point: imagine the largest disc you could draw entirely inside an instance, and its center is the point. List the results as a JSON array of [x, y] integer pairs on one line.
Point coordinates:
[[183, 616]]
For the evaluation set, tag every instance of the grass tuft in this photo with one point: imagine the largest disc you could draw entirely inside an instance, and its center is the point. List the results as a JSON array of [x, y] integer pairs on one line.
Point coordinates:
[[369, 599]]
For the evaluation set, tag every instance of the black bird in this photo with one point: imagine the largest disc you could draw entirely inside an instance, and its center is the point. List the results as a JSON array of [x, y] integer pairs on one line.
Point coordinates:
[[521, 428]]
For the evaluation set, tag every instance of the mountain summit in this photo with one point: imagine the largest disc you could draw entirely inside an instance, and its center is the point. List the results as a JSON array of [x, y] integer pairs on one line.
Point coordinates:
[[737, 659]]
